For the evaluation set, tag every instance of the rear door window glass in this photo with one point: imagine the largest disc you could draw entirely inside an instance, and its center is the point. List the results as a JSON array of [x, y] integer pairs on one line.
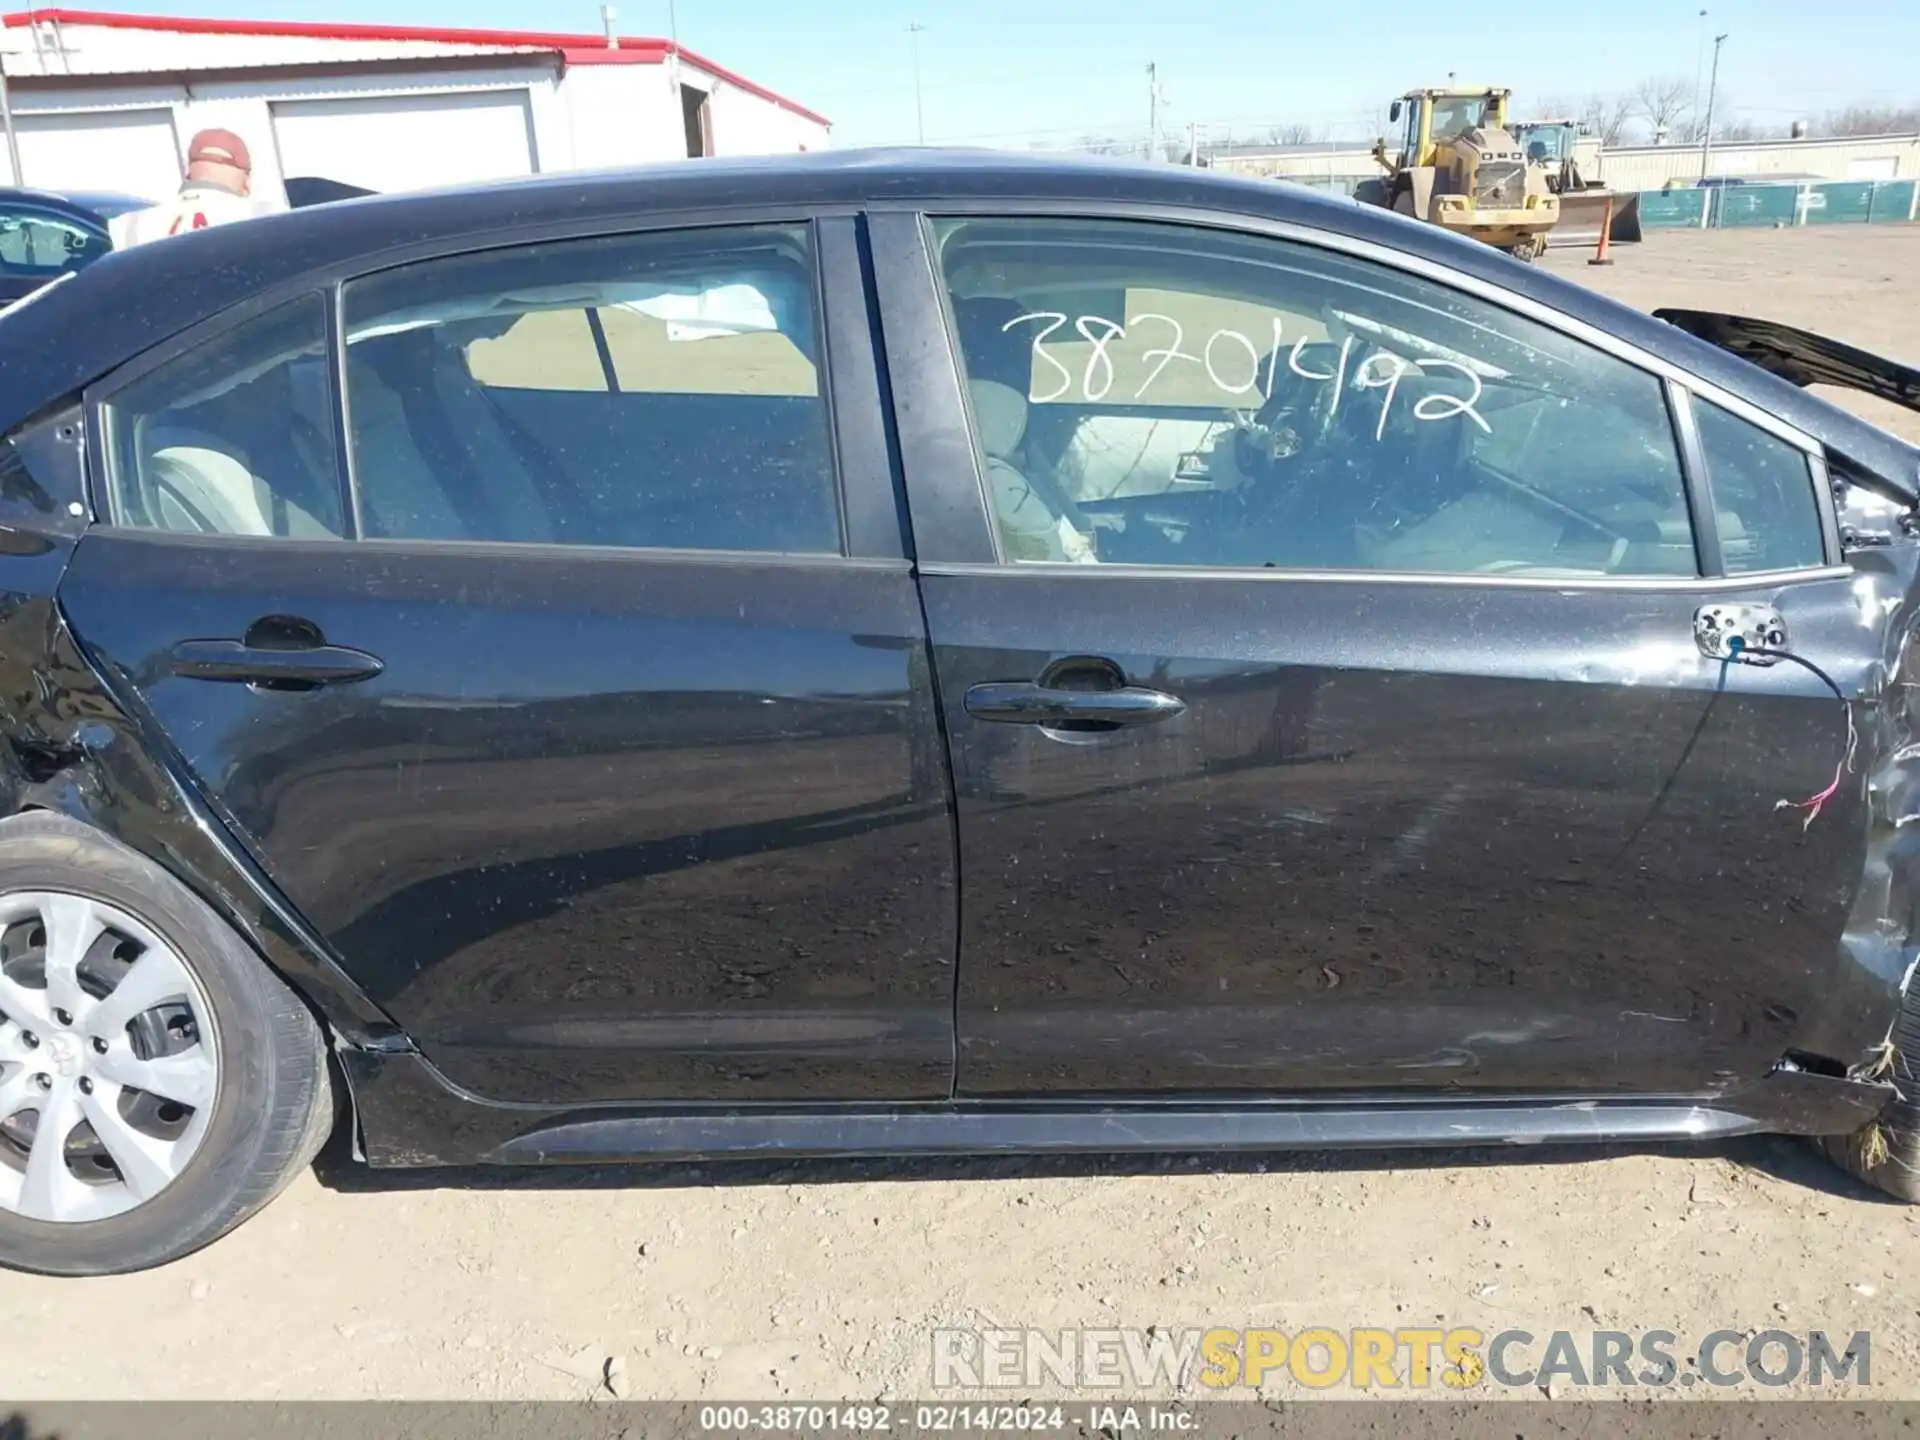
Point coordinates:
[[662, 390], [234, 436]]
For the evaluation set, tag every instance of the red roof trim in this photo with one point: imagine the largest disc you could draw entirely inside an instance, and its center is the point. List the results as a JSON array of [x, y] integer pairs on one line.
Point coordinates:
[[575, 49], [601, 55]]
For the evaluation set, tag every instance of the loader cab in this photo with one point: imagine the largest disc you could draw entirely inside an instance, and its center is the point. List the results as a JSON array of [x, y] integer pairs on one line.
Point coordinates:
[[1430, 117], [1547, 142]]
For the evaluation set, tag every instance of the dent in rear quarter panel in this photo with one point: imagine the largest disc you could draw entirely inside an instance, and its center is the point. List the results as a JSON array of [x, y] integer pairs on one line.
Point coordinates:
[[71, 747]]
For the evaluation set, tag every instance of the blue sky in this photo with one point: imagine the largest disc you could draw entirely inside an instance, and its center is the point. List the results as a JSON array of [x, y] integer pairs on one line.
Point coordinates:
[[1016, 72]]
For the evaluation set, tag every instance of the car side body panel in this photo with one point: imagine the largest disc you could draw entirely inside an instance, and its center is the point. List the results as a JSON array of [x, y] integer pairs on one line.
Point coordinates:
[[132, 775], [1404, 836], [605, 827]]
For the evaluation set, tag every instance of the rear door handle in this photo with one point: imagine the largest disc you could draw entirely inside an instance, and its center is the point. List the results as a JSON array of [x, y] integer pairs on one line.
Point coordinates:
[[237, 662], [1029, 704]]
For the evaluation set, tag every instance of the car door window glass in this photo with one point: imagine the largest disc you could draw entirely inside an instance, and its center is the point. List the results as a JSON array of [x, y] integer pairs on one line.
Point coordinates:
[[234, 436], [1156, 394], [38, 245], [657, 390], [1763, 496]]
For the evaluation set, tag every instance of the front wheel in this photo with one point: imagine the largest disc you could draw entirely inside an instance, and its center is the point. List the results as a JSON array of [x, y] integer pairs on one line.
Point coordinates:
[[158, 1084]]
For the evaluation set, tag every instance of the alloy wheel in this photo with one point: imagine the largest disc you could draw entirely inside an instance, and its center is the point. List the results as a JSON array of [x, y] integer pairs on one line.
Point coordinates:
[[109, 1061]]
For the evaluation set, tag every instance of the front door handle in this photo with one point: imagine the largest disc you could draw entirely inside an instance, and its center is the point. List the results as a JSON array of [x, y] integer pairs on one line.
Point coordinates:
[[237, 662], [1029, 704]]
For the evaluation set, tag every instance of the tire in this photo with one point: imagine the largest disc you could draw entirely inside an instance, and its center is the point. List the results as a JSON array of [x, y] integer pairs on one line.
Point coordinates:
[[1886, 1153], [272, 1101], [1371, 192]]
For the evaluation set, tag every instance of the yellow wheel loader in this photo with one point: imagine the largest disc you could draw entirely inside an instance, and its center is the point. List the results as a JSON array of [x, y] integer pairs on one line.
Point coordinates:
[[1584, 204], [1458, 167]]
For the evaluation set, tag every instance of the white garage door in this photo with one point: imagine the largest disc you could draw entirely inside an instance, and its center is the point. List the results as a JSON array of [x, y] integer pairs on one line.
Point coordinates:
[[407, 142], [132, 151]]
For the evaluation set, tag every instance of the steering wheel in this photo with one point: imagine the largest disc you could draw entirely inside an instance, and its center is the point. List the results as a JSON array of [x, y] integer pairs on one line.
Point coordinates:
[[1290, 420]]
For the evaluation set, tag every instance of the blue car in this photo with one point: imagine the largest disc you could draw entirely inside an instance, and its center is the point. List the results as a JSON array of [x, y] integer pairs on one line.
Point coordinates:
[[44, 236]]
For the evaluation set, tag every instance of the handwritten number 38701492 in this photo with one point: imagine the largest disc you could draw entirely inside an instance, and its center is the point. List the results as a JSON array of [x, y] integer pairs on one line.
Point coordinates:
[[1237, 366]]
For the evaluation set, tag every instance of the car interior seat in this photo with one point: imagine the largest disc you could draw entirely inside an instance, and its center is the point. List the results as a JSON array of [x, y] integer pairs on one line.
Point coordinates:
[[1033, 517], [448, 468], [196, 481]]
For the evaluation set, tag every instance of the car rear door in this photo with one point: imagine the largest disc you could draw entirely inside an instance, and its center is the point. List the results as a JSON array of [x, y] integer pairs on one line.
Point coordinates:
[[540, 619], [1356, 737]]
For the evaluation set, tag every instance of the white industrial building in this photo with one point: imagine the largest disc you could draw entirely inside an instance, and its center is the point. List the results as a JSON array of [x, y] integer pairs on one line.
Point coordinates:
[[1843, 157], [1624, 167], [108, 101]]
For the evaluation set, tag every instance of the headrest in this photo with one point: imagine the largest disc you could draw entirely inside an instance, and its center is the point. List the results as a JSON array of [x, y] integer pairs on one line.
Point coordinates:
[[1001, 413]]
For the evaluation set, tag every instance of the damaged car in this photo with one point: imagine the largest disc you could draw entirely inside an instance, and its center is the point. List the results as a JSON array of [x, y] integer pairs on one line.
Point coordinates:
[[926, 653]]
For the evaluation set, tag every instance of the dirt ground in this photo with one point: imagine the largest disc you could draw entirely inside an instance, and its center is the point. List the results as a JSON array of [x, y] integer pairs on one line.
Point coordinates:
[[826, 1280]]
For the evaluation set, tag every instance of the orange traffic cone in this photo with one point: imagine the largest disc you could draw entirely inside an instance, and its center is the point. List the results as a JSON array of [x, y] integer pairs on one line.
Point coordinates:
[[1600, 255]]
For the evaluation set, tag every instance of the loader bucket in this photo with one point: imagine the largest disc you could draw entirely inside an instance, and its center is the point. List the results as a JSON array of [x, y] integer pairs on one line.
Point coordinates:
[[1581, 214]]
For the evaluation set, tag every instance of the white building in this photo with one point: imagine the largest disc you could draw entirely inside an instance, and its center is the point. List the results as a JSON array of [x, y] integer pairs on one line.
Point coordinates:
[[1843, 157], [1624, 167], [108, 101]]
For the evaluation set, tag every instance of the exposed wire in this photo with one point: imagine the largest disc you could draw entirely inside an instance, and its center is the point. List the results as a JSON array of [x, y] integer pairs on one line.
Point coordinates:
[[1813, 804]]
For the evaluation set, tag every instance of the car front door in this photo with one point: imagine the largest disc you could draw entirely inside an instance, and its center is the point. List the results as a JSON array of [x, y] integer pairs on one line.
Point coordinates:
[[570, 678], [1325, 706]]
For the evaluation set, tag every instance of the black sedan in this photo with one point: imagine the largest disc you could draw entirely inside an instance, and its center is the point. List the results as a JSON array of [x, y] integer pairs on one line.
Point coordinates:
[[925, 653]]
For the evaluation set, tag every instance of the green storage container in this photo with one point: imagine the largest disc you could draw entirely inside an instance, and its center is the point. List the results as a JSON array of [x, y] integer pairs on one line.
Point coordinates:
[[1892, 200], [1839, 202], [1668, 209], [1735, 206]]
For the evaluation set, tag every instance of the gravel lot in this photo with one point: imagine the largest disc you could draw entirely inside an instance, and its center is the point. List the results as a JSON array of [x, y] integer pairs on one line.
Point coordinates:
[[825, 1281]]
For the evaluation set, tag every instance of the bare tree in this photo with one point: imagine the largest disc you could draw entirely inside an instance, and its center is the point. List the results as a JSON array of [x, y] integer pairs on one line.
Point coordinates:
[[1663, 102], [1872, 120], [1737, 132], [1607, 116], [1294, 134]]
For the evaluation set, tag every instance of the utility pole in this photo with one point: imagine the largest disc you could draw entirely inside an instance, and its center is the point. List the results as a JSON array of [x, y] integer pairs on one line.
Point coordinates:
[[1193, 143], [673, 43], [919, 113], [1713, 90], [1153, 110], [6, 120], [1700, 64]]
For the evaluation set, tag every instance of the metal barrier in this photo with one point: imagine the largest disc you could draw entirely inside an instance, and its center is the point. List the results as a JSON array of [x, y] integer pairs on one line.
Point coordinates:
[[1827, 202]]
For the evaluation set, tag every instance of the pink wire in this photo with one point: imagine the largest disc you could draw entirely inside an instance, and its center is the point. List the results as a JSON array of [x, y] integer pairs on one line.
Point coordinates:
[[1814, 804]]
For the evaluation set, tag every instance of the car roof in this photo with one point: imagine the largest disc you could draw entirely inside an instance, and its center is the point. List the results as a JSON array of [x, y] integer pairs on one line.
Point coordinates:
[[108, 203], [52, 347], [51, 200]]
